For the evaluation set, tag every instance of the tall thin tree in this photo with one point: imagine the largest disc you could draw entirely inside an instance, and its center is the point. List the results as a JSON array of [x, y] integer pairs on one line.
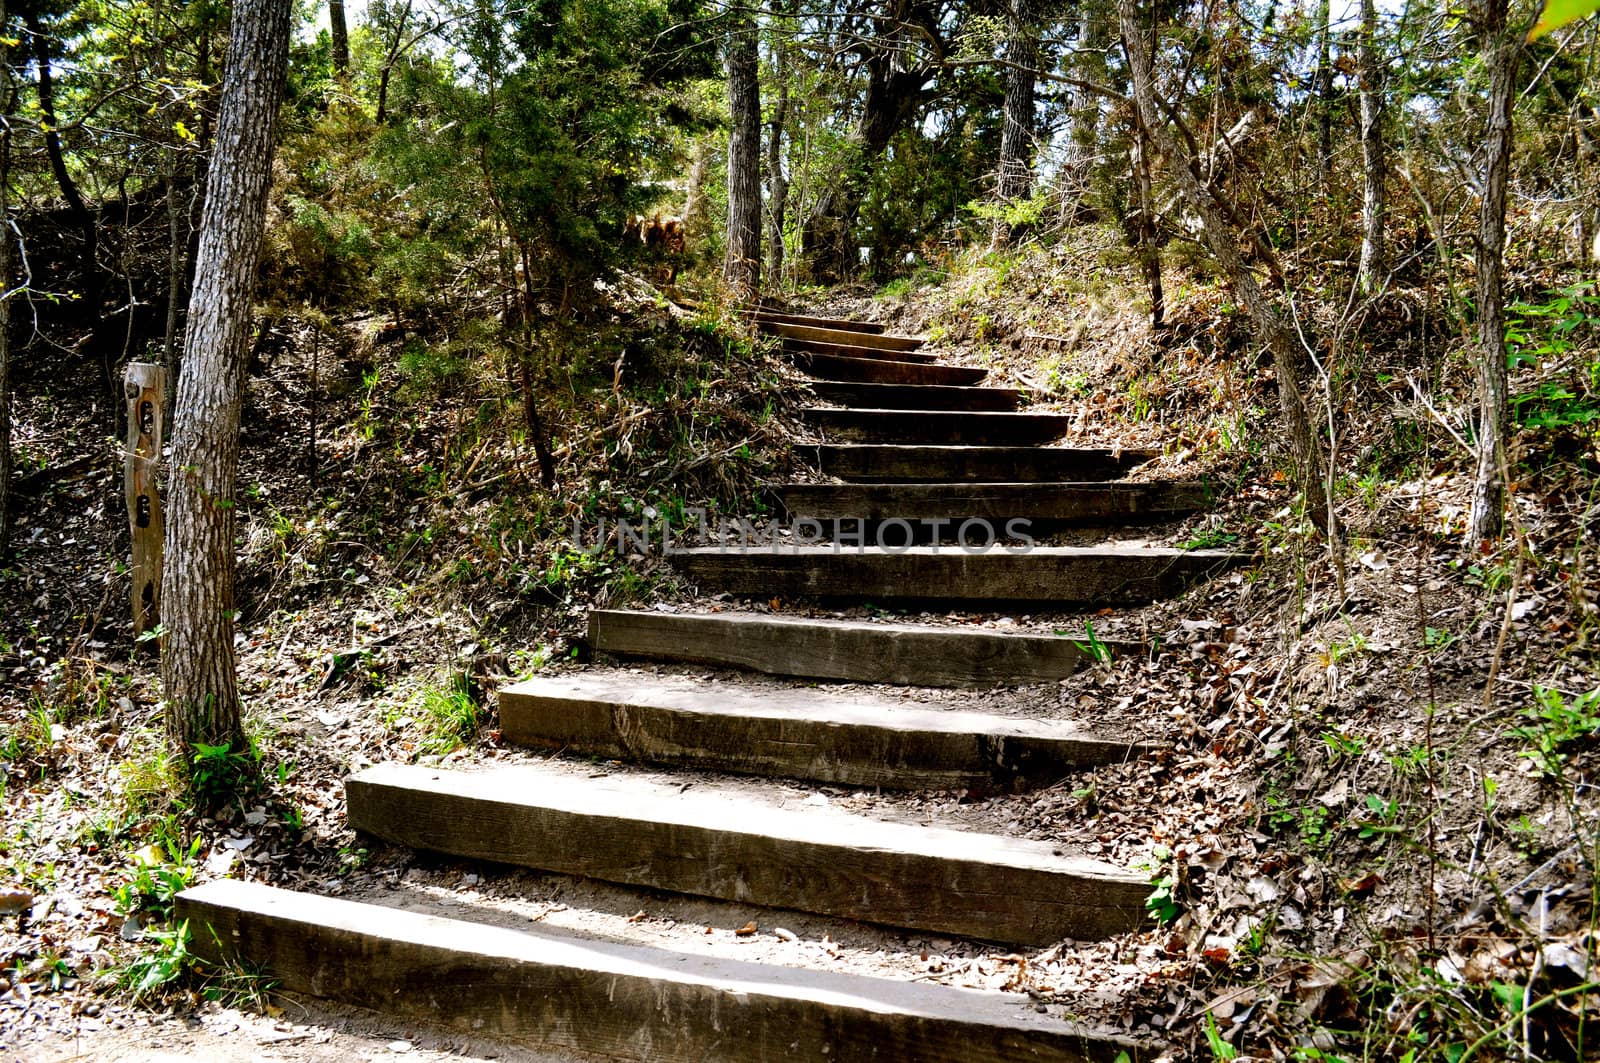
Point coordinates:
[[1500, 48], [743, 267], [1015, 179], [1222, 239], [197, 662], [339, 37], [1370, 67]]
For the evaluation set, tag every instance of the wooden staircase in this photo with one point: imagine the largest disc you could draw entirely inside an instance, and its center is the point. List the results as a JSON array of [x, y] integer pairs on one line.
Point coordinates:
[[934, 446]]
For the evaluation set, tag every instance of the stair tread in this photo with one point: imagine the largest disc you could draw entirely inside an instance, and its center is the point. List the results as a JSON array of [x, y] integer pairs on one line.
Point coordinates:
[[882, 340], [965, 463], [1045, 500], [846, 367], [622, 1000], [911, 654], [717, 842], [845, 349], [826, 736]]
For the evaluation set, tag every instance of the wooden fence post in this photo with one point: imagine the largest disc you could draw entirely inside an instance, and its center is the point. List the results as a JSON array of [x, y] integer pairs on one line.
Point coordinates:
[[145, 385]]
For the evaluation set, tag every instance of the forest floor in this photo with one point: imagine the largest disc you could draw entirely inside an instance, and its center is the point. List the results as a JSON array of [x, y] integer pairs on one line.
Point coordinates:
[[1354, 849]]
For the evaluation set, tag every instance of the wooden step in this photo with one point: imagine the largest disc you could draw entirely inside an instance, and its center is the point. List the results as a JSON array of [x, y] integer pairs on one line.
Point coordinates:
[[834, 323], [925, 464], [799, 734], [559, 993], [906, 654], [847, 350], [885, 371], [1056, 502], [916, 396], [876, 340], [1106, 575], [937, 426], [707, 843]]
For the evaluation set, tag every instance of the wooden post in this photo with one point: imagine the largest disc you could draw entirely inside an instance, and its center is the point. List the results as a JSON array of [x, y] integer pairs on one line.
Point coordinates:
[[145, 385]]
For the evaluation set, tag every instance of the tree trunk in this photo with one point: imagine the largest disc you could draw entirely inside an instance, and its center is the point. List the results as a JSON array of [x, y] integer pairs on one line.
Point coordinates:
[[391, 56], [339, 37], [777, 181], [197, 662], [1145, 225], [695, 217], [1088, 62], [743, 267], [1223, 241], [1501, 50], [5, 315], [1373, 169], [1323, 86], [81, 214], [1015, 179]]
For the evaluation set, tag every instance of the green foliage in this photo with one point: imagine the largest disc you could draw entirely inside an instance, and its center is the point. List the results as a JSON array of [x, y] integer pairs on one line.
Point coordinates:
[[1559, 335], [448, 713], [1163, 903], [1558, 13], [1556, 725], [219, 774], [162, 959], [155, 880]]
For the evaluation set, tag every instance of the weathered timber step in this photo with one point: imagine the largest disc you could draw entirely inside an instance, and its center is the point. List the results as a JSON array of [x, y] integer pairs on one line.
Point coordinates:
[[834, 323], [938, 426], [846, 350], [877, 340], [570, 994], [905, 654], [888, 571], [859, 741], [934, 464], [885, 371], [716, 844], [1085, 502], [916, 396]]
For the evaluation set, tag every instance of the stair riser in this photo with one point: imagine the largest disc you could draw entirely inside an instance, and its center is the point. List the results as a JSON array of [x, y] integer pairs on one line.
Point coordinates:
[[879, 341], [614, 1001], [932, 464], [836, 324], [845, 350], [1044, 503], [818, 749], [884, 371], [862, 653], [951, 575], [916, 397], [937, 427], [944, 894]]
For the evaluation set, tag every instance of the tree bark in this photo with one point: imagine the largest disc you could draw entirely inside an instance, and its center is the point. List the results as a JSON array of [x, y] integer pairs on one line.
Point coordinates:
[[1223, 242], [1088, 63], [777, 180], [339, 37], [197, 662], [1145, 225], [5, 313], [1015, 179], [695, 216], [1323, 85], [1501, 49], [743, 266], [1373, 167]]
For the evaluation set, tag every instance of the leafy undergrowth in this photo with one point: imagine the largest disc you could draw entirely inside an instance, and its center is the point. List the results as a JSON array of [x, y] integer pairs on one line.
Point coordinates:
[[1377, 834], [398, 559], [1374, 833]]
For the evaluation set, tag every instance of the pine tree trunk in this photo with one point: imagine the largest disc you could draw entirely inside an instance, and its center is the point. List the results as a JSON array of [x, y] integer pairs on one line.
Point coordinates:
[[197, 662], [1223, 242], [339, 37], [1501, 50], [1373, 168], [1015, 180], [743, 268]]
